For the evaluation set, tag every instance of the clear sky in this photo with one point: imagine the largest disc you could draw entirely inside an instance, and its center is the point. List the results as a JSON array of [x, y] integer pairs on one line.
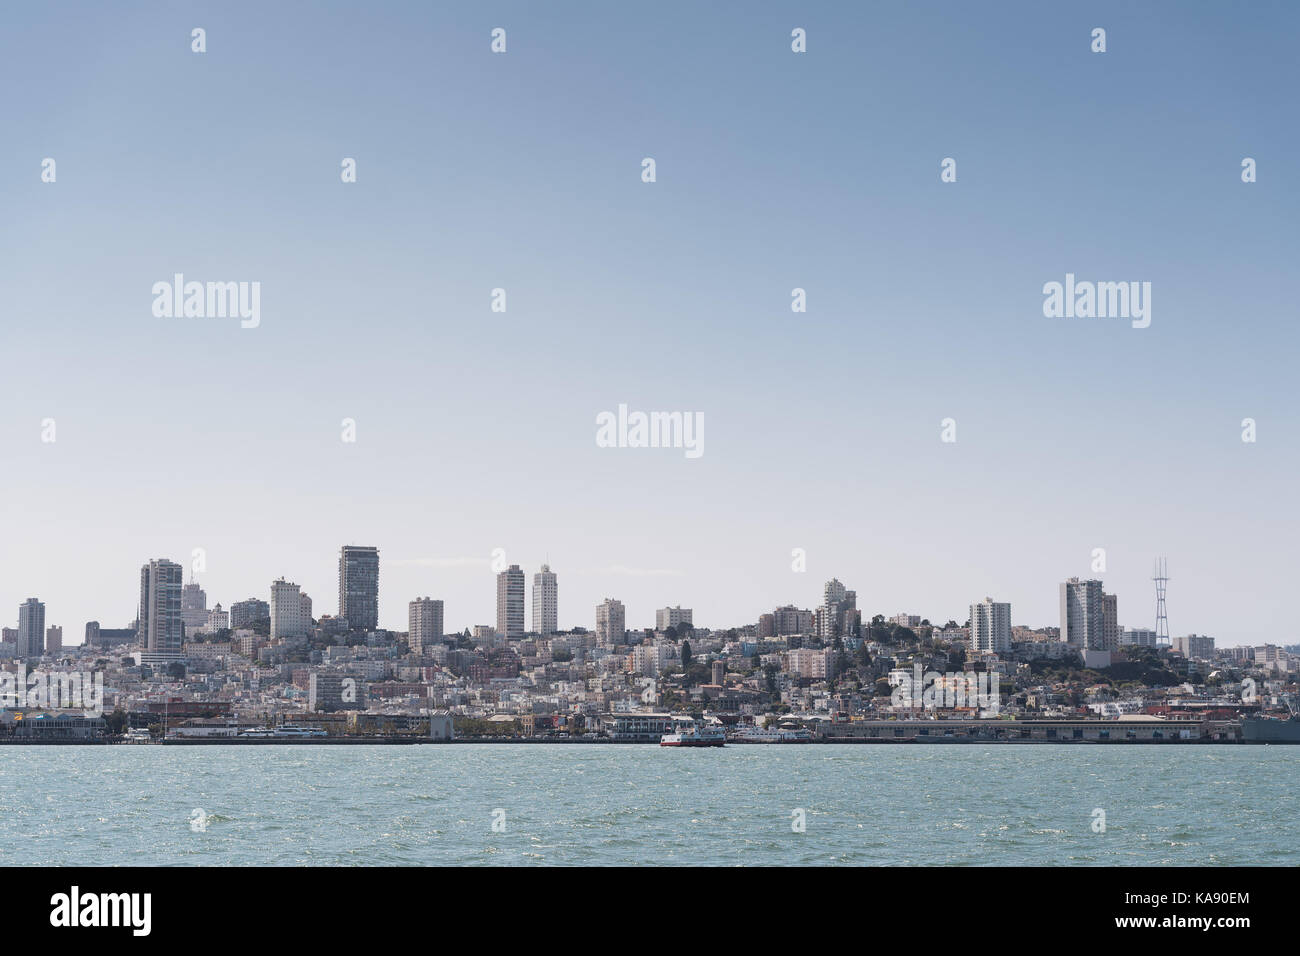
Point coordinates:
[[775, 170]]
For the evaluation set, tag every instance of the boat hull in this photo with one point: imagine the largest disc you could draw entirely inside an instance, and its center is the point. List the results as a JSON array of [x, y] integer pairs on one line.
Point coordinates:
[[1265, 730], [683, 740]]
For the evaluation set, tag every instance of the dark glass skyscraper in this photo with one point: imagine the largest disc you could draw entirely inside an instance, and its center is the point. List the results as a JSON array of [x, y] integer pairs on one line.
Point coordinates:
[[359, 587], [31, 628]]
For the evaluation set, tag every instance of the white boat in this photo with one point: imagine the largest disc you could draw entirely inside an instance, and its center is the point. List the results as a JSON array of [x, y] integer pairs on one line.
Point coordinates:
[[282, 732], [772, 735], [299, 732], [686, 733]]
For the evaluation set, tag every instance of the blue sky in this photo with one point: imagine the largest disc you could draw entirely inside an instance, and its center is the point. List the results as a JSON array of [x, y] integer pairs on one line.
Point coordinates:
[[475, 430]]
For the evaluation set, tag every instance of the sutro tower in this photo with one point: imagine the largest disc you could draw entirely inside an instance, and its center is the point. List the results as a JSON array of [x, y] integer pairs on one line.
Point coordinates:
[[1161, 577]]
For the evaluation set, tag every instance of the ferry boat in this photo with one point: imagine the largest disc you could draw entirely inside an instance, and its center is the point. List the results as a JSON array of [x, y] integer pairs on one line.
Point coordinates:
[[300, 732], [686, 733], [285, 732], [771, 735]]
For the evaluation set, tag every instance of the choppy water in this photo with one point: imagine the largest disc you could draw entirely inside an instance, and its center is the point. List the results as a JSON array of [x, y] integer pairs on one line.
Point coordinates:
[[591, 804]]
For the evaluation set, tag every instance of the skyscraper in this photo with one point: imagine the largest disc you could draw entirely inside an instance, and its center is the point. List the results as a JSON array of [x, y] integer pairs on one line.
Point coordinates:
[[31, 628], [286, 610], [359, 587], [1109, 622], [424, 624], [838, 615], [160, 628], [53, 639], [510, 602], [990, 627], [194, 606], [545, 601], [1089, 619], [611, 625]]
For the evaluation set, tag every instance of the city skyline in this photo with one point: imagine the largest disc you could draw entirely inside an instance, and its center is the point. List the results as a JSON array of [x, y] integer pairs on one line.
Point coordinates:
[[819, 171], [1101, 625]]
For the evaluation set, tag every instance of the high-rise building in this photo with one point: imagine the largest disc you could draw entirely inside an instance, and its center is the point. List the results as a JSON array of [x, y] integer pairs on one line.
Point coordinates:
[[792, 620], [54, 639], [1109, 622], [814, 664], [286, 610], [611, 623], [247, 613], [31, 628], [1272, 658], [106, 637], [990, 627], [546, 617], [1089, 618], [424, 624], [194, 606], [667, 617], [838, 615], [218, 620], [1138, 636], [359, 587], [159, 627], [510, 602], [1194, 646]]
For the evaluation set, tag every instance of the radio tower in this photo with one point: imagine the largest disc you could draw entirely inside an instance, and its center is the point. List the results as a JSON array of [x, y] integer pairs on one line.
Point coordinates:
[[1161, 577]]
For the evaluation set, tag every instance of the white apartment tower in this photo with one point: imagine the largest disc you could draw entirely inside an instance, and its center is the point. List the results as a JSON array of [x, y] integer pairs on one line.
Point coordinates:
[[510, 602], [667, 617], [286, 610], [424, 624], [218, 619], [1089, 617], [990, 627], [160, 628], [838, 614], [545, 601], [611, 627]]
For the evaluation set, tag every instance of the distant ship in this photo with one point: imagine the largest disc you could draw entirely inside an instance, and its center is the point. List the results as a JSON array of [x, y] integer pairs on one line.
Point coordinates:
[[1271, 730], [686, 733], [285, 732], [755, 735]]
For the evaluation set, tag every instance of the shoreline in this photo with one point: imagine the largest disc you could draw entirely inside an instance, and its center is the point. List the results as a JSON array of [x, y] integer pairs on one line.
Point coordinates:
[[535, 741]]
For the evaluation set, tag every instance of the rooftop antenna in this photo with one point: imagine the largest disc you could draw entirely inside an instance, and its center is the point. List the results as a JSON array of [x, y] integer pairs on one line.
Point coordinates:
[[1161, 577]]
